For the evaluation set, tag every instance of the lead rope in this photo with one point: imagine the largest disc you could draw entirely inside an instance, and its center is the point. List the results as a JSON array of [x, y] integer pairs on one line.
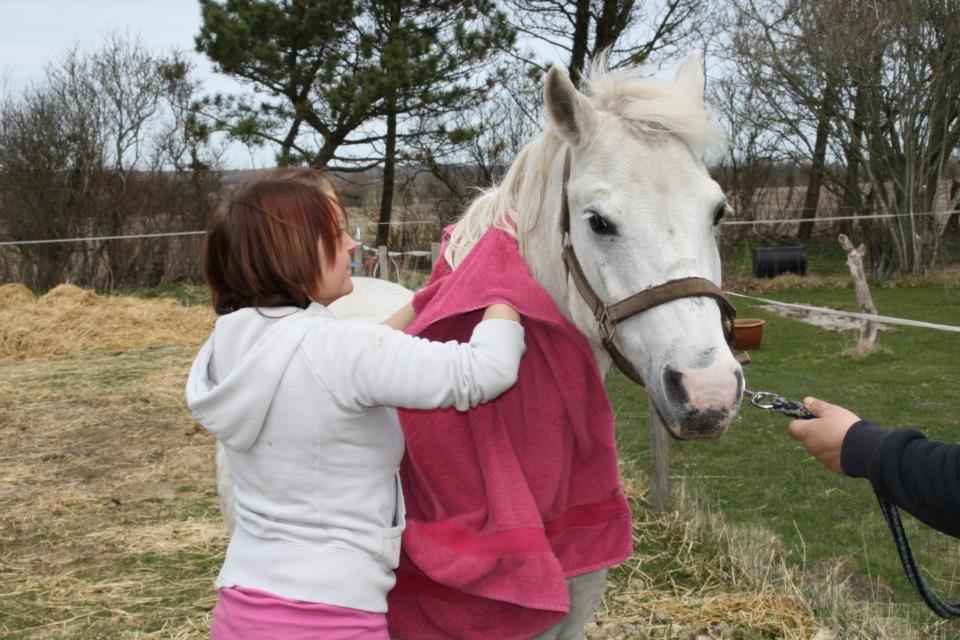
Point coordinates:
[[909, 562], [773, 402]]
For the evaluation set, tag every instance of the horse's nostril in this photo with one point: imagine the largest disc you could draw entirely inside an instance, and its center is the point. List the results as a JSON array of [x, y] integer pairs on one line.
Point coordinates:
[[673, 386]]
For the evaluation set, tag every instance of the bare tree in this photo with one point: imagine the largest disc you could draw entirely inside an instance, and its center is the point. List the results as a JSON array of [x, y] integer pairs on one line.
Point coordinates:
[[481, 143], [753, 152], [953, 195], [873, 85], [629, 32], [45, 177], [484, 140], [98, 149]]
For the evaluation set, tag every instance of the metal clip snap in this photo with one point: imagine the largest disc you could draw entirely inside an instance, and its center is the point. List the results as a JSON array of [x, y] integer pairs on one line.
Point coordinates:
[[772, 402]]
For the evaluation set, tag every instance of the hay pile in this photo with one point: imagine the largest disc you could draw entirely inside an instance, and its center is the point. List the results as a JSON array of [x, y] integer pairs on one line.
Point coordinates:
[[68, 320], [694, 577]]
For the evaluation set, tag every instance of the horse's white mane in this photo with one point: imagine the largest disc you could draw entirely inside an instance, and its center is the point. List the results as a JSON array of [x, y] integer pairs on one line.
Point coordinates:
[[649, 106]]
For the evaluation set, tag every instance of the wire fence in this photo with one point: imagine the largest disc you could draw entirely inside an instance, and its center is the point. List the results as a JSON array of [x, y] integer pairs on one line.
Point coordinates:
[[767, 221], [850, 314]]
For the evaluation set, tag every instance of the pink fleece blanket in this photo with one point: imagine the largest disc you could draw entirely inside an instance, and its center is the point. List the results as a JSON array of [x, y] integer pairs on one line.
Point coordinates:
[[506, 501]]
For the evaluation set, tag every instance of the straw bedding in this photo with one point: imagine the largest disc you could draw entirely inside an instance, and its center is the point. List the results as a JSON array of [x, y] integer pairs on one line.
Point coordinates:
[[111, 527]]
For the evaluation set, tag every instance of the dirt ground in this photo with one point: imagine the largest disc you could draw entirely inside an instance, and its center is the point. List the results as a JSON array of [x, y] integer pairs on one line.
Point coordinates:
[[111, 526], [107, 491]]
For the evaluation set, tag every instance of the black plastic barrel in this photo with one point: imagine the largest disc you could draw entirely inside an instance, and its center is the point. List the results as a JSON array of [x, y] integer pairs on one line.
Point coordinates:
[[771, 261]]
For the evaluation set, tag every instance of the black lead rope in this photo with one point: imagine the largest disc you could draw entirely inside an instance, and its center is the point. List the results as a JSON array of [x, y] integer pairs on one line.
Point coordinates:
[[773, 402], [909, 562]]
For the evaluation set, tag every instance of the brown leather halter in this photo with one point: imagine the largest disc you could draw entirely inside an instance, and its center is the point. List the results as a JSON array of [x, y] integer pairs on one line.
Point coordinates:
[[610, 315]]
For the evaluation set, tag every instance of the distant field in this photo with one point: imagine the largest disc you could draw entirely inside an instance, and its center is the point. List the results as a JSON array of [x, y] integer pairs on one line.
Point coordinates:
[[825, 256]]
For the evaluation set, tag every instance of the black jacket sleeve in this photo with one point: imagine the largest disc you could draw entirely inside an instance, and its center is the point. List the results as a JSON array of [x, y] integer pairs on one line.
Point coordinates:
[[919, 475]]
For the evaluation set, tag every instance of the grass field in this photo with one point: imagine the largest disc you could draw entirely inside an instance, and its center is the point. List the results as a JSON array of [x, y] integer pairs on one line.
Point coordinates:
[[111, 528], [756, 475]]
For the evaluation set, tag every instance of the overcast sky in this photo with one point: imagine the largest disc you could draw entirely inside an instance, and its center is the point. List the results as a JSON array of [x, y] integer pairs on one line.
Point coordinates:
[[35, 32]]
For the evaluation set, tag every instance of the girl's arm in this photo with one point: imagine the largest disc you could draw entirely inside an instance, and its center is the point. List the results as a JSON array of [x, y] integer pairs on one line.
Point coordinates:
[[500, 311], [365, 365], [406, 314]]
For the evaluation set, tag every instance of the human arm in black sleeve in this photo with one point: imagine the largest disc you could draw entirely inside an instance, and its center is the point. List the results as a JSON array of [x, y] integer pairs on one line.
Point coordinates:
[[905, 468]]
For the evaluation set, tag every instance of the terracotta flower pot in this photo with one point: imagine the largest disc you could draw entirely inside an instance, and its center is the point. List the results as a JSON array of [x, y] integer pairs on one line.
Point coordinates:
[[749, 333]]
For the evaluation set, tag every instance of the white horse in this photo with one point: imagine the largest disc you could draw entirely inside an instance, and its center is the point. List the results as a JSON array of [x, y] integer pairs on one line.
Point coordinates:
[[642, 211]]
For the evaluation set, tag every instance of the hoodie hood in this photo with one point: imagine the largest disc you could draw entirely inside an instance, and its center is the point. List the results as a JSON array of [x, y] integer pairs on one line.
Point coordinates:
[[235, 376]]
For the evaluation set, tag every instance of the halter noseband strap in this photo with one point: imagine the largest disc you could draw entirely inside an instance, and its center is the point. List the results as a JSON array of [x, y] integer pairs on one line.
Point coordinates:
[[610, 315]]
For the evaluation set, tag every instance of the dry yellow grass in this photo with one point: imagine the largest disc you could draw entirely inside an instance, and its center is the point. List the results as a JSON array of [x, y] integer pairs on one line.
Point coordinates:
[[692, 576], [14, 294], [111, 528], [110, 525], [68, 320]]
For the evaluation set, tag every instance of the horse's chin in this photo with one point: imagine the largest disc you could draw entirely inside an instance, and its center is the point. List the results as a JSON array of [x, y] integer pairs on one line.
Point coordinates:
[[687, 423]]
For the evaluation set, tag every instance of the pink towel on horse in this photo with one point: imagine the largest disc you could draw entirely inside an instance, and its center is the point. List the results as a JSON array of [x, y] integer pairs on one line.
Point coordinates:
[[506, 501]]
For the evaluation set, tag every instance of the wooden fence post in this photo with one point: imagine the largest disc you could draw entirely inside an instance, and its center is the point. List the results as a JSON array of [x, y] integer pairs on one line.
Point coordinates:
[[660, 496], [868, 328], [384, 261], [434, 254]]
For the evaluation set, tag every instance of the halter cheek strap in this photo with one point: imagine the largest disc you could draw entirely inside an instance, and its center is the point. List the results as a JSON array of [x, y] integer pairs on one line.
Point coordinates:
[[608, 316]]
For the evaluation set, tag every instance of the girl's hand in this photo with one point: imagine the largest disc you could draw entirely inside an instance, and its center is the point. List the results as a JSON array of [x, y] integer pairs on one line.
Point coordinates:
[[402, 318], [823, 435]]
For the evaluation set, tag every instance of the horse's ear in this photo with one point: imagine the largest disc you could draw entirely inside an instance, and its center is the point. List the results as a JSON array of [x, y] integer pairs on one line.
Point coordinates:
[[568, 109], [689, 78]]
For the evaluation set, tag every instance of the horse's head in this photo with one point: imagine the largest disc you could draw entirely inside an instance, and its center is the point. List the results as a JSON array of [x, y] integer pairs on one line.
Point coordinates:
[[643, 211]]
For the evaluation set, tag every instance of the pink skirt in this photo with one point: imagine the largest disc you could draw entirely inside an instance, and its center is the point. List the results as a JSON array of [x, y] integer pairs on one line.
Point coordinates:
[[250, 614]]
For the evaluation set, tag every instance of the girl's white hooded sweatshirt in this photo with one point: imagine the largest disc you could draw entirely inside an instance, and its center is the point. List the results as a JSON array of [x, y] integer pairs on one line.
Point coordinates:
[[303, 404]]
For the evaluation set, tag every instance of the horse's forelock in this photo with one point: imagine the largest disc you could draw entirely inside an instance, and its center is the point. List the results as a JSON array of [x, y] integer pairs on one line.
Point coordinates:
[[653, 106]]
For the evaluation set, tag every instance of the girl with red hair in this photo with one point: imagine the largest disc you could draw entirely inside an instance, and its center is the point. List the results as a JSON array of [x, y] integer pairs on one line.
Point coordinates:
[[303, 404]]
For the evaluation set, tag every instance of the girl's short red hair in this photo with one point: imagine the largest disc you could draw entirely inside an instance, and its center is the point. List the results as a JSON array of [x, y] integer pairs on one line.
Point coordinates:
[[263, 239]]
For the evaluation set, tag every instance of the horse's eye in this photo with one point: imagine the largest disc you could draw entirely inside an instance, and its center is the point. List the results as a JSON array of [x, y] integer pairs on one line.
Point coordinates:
[[599, 224], [722, 209]]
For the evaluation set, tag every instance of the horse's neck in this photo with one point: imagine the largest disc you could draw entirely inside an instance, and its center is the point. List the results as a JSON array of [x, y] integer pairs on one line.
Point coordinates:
[[544, 258], [543, 255]]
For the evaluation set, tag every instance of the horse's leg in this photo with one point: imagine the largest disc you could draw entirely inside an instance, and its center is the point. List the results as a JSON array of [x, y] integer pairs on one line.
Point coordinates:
[[585, 594], [228, 508]]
